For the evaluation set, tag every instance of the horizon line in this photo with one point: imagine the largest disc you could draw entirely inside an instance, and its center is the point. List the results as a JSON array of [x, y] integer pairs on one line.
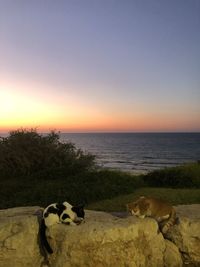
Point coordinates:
[[107, 132]]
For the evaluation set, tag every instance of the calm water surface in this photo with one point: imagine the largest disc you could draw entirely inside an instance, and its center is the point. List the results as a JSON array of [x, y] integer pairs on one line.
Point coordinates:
[[138, 152]]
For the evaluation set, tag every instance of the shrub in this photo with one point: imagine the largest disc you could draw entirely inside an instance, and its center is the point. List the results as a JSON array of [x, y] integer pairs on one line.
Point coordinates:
[[183, 176], [26, 153], [38, 169]]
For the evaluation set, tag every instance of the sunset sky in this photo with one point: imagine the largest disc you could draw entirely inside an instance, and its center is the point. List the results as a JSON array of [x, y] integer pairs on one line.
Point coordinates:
[[100, 66]]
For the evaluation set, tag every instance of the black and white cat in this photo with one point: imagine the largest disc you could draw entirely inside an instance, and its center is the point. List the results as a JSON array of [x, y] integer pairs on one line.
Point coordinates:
[[59, 213]]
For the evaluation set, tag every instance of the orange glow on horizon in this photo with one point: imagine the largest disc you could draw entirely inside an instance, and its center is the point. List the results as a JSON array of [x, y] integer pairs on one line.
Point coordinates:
[[101, 124], [26, 109], [93, 71]]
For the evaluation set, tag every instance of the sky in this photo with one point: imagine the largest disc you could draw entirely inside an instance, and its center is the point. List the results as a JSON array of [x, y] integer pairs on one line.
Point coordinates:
[[100, 65]]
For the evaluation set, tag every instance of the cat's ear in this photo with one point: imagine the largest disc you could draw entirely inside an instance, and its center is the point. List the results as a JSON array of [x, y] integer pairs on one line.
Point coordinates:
[[80, 206], [77, 208]]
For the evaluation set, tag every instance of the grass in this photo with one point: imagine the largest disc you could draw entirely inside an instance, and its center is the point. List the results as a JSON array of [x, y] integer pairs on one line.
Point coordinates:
[[88, 188], [174, 196], [100, 190]]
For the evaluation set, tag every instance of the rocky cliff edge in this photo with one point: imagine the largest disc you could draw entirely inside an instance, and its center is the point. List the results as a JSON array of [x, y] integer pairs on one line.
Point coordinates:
[[104, 240]]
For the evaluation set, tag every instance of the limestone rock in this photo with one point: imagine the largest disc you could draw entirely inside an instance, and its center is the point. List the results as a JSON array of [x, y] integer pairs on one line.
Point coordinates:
[[103, 240], [172, 256], [186, 234], [19, 238]]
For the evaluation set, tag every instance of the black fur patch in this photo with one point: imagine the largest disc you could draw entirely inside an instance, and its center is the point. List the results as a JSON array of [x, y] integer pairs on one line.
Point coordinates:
[[60, 208], [46, 214], [51, 209], [65, 216], [79, 211]]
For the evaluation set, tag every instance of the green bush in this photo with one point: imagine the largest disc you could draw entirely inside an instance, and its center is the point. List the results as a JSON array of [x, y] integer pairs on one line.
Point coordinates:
[[26, 153], [38, 169], [83, 188], [184, 176]]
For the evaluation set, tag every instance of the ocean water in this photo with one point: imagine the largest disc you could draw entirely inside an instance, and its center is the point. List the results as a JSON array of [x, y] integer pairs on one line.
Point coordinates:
[[138, 152]]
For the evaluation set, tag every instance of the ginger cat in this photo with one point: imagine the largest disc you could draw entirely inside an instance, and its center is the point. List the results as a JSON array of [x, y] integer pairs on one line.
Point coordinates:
[[161, 211]]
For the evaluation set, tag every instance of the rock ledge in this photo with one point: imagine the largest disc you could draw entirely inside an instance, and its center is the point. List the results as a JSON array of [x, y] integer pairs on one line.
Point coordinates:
[[103, 240]]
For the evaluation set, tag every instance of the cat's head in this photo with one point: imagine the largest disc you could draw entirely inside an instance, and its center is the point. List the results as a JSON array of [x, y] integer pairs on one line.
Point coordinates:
[[75, 214], [138, 207], [79, 213]]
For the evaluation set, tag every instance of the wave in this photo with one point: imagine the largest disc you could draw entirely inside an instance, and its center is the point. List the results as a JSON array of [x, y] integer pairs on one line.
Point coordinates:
[[139, 151]]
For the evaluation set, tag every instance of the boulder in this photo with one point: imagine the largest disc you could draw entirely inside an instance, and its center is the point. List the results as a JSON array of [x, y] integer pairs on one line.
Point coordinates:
[[186, 234], [104, 240], [19, 238]]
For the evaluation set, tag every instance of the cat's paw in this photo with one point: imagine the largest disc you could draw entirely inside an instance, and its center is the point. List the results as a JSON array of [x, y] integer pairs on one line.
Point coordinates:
[[165, 229]]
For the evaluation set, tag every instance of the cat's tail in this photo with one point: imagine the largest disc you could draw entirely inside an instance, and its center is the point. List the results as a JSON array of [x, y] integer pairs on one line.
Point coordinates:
[[43, 237], [170, 222]]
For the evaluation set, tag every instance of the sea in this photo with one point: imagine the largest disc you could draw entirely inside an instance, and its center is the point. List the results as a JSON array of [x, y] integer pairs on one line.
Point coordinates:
[[138, 152]]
